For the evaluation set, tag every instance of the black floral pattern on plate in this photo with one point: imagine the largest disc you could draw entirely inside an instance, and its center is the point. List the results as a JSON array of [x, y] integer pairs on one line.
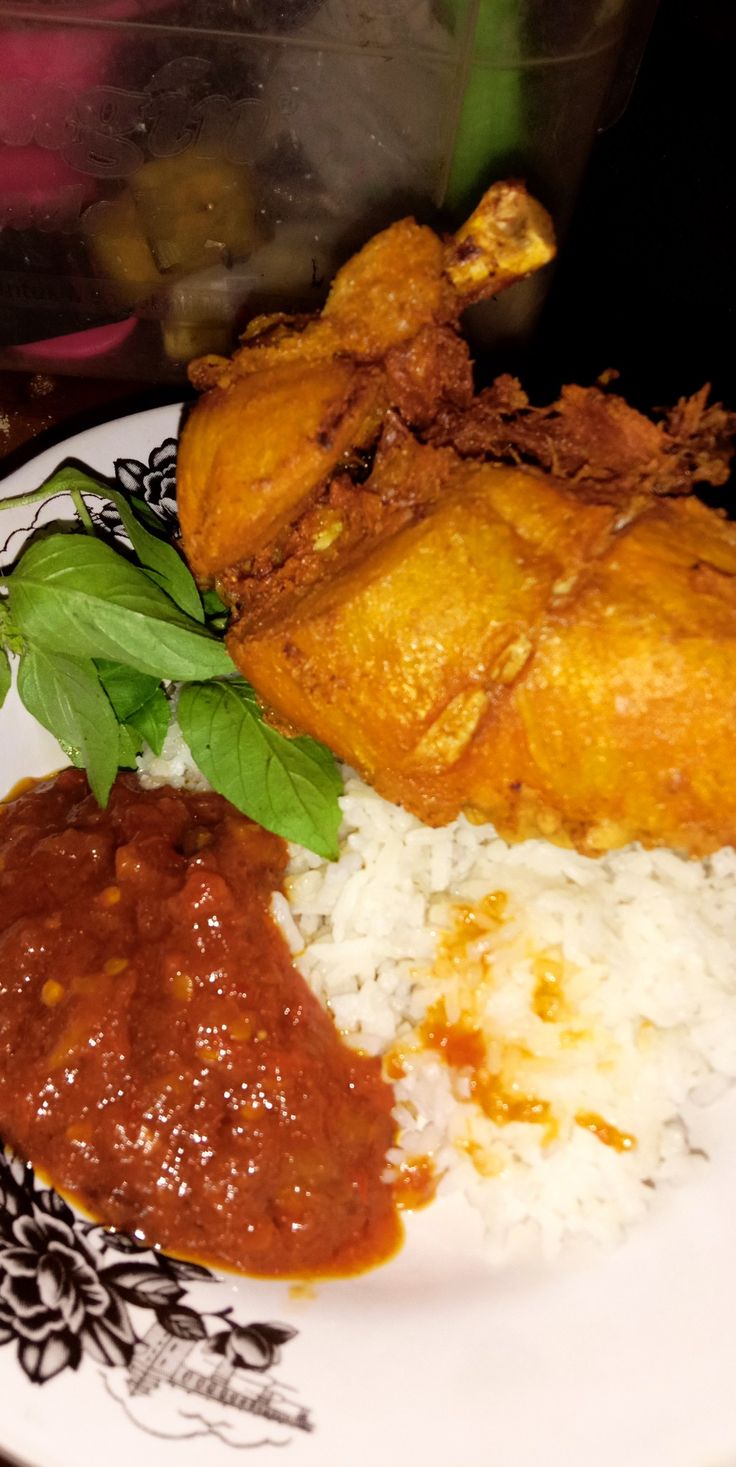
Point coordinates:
[[155, 482], [72, 1290], [53, 1301]]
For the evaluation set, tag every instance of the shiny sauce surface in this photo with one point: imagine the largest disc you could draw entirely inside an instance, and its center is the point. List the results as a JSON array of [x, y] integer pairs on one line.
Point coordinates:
[[161, 1060]]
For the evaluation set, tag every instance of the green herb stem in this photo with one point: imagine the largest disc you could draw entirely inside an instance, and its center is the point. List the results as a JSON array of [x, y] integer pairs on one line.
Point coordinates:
[[82, 511], [19, 501]]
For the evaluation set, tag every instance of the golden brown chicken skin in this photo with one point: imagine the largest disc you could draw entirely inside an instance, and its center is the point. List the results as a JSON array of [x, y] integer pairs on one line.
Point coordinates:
[[554, 651], [514, 652], [301, 395]]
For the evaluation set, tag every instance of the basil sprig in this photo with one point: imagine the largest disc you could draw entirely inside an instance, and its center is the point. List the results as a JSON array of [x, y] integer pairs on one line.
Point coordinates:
[[75, 592], [162, 562], [98, 628]]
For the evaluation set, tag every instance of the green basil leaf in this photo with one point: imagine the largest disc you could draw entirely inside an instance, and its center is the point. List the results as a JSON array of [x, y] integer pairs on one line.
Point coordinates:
[[290, 786], [65, 695], [10, 637], [126, 688], [130, 744], [152, 720], [74, 592], [73, 755], [6, 675], [215, 610], [213, 604], [144, 514], [161, 560]]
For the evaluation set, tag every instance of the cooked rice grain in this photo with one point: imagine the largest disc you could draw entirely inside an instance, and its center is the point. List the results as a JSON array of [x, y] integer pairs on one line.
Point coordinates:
[[602, 990], [643, 943]]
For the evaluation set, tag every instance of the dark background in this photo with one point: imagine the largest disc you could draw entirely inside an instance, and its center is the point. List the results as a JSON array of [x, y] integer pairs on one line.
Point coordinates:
[[646, 279]]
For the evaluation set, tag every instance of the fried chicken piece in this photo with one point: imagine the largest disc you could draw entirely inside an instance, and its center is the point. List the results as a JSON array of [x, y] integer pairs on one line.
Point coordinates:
[[521, 613], [300, 395], [496, 644], [254, 452]]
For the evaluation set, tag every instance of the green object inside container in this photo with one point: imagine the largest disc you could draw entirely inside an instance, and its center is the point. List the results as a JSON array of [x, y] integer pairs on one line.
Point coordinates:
[[490, 126]]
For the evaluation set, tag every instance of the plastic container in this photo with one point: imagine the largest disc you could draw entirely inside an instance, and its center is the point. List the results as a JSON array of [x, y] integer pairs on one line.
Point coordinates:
[[173, 167]]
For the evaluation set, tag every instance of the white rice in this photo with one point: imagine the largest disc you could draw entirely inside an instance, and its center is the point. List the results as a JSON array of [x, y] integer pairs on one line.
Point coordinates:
[[638, 948]]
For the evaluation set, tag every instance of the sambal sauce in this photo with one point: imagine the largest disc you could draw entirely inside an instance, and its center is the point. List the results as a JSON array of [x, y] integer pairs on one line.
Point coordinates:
[[161, 1060]]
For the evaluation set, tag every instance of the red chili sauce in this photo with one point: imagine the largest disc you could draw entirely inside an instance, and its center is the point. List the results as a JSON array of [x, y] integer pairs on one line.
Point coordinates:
[[161, 1060]]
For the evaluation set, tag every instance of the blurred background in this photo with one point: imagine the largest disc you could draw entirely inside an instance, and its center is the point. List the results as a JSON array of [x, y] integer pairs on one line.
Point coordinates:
[[647, 279], [170, 167]]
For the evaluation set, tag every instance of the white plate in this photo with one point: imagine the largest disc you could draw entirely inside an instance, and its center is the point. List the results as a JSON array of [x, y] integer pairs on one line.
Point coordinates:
[[436, 1360]]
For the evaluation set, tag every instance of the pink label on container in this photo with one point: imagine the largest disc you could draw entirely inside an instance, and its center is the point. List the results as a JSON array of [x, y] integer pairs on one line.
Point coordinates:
[[61, 124]]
